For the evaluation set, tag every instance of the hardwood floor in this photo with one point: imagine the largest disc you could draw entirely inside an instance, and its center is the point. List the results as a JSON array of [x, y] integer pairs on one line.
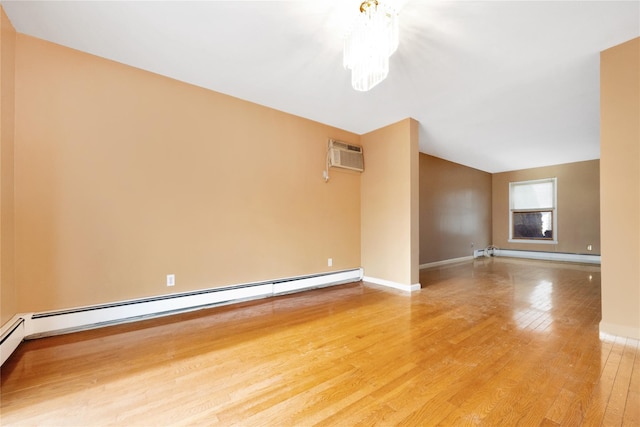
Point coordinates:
[[489, 342]]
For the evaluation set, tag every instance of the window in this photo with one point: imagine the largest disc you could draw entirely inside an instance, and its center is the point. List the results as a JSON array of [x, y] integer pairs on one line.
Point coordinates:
[[532, 215]]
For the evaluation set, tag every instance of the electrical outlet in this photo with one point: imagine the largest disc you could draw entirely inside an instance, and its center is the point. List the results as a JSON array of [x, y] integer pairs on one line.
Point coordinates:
[[329, 262], [589, 247], [171, 279]]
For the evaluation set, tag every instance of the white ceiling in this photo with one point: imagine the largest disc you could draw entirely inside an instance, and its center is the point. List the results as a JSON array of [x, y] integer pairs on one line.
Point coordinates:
[[495, 85]]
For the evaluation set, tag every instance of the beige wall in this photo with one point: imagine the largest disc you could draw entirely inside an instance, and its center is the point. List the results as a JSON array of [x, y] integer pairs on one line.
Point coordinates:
[[123, 176], [8, 292], [389, 203], [578, 194], [455, 209], [620, 188]]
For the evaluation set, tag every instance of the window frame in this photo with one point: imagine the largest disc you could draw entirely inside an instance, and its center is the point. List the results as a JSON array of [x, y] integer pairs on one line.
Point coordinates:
[[553, 209]]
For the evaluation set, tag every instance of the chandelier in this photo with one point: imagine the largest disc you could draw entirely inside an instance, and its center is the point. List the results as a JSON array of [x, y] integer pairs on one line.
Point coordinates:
[[368, 46]]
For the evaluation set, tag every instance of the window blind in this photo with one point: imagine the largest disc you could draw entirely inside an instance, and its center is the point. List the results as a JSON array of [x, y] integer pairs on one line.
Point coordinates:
[[535, 195]]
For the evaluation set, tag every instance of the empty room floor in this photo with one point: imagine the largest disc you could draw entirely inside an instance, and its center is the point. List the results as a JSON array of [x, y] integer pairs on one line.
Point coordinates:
[[494, 341]]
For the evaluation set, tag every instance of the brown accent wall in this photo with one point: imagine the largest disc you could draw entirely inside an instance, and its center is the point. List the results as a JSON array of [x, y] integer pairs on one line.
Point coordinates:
[[578, 210], [455, 209], [620, 188], [8, 292], [123, 176], [389, 203]]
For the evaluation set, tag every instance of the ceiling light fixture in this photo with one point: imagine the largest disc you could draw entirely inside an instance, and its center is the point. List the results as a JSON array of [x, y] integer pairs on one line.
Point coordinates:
[[368, 46]]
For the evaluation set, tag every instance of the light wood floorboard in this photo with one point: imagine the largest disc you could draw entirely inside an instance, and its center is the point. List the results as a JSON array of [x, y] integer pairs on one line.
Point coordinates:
[[488, 342]]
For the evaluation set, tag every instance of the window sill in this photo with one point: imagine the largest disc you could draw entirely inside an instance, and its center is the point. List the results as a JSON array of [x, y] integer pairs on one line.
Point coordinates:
[[542, 242]]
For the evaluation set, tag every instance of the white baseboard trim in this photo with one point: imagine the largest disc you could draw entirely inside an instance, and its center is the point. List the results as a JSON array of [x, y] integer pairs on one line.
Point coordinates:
[[548, 256], [390, 284], [37, 325], [11, 335], [446, 261], [619, 330]]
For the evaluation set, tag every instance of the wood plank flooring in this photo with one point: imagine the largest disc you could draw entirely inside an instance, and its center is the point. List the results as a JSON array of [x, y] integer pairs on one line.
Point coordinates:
[[489, 342]]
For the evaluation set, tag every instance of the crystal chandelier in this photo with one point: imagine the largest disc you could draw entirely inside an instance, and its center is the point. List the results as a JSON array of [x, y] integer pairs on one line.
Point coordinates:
[[368, 46]]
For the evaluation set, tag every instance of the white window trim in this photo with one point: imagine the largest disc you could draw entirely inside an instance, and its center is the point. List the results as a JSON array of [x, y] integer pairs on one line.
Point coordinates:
[[554, 210]]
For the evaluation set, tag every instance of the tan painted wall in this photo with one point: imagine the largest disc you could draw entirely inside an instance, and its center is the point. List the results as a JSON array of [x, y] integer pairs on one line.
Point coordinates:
[[620, 188], [389, 203], [578, 196], [455, 209], [8, 292], [123, 176]]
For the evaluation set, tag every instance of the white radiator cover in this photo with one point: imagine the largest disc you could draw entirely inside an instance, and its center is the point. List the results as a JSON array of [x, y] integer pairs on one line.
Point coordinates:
[[10, 337], [36, 325], [548, 256]]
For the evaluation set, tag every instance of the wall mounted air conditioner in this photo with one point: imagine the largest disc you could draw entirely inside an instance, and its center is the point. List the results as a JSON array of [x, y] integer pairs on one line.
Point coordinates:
[[343, 155]]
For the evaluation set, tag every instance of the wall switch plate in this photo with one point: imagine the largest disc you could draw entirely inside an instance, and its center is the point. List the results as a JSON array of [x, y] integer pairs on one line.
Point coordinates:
[[171, 279], [589, 247], [329, 262]]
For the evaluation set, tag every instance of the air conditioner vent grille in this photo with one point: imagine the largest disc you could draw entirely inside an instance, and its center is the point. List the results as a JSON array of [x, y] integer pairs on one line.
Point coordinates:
[[345, 155]]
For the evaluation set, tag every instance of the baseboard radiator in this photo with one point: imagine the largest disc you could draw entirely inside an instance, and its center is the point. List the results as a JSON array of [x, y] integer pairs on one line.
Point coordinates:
[[11, 337], [497, 252], [37, 325], [546, 256]]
